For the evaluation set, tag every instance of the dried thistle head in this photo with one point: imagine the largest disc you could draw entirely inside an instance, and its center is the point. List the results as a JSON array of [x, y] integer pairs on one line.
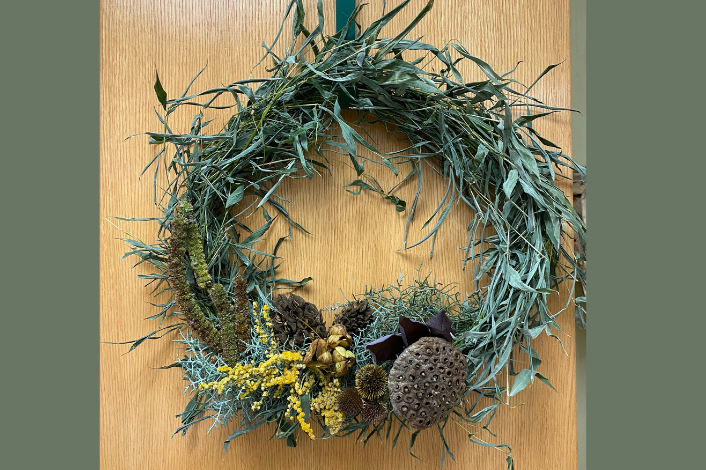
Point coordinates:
[[349, 402], [371, 382], [374, 412]]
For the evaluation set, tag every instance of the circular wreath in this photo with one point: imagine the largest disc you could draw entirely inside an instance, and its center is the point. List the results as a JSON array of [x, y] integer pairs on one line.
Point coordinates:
[[407, 355]]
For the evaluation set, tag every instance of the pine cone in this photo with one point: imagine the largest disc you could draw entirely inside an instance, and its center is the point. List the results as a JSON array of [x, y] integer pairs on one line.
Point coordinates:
[[427, 381], [296, 320], [355, 316]]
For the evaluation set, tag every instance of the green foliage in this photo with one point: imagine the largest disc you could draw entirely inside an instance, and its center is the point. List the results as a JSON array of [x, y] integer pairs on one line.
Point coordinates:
[[200, 365], [419, 300]]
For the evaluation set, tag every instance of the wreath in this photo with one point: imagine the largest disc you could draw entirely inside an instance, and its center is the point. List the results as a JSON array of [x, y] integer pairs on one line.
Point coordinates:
[[399, 358]]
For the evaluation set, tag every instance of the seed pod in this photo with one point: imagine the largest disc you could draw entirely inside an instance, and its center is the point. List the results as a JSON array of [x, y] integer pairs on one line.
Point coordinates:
[[341, 368], [296, 320], [326, 358], [427, 381], [355, 316], [374, 412], [371, 382], [349, 402], [338, 337], [338, 354], [337, 330]]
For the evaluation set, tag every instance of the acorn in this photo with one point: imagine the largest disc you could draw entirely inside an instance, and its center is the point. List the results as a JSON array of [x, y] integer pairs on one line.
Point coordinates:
[[371, 382], [349, 402], [374, 412]]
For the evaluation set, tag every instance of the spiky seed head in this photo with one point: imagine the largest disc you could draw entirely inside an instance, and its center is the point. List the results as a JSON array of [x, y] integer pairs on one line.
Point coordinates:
[[349, 402], [371, 382], [374, 412]]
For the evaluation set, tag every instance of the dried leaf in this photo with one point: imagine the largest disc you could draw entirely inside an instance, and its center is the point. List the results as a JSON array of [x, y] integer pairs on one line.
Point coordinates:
[[386, 348]]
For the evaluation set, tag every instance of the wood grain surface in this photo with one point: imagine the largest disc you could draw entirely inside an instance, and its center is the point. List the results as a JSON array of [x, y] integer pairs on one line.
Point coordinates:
[[355, 241]]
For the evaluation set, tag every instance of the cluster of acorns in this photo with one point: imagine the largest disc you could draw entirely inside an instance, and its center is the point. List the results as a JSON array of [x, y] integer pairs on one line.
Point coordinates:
[[368, 397]]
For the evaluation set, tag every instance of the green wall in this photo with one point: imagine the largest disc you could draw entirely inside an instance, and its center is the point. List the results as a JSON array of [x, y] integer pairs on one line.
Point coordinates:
[[578, 79], [578, 131]]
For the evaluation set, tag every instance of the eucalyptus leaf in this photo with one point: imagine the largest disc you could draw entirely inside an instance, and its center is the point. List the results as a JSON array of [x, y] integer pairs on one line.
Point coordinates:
[[510, 182], [236, 196], [161, 94], [515, 280], [521, 381]]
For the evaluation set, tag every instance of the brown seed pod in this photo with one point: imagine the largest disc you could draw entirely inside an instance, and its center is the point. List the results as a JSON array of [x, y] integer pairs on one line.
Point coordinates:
[[320, 355], [349, 402], [374, 412], [295, 320], [355, 316], [371, 382], [427, 381]]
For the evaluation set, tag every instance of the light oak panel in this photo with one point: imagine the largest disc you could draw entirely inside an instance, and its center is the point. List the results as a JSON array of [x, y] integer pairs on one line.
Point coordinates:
[[354, 241]]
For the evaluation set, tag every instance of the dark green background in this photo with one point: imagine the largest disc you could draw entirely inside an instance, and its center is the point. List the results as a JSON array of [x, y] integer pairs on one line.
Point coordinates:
[[578, 153], [49, 224], [645, 70]]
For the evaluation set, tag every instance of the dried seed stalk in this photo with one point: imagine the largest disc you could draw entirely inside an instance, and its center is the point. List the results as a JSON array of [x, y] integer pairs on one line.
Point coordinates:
[[241, 313], [181, 234]]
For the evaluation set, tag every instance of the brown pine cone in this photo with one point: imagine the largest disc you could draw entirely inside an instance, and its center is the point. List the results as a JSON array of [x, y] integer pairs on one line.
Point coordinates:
[[294, 321], [355, 316]]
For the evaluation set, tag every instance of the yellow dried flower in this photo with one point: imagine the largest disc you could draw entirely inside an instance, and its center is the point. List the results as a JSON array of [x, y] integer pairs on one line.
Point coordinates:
[[295, 406], [325, 404], [279, 370]]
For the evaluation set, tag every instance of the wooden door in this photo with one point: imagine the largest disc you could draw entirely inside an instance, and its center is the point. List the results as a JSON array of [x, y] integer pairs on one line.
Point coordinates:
[[354, 241]]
